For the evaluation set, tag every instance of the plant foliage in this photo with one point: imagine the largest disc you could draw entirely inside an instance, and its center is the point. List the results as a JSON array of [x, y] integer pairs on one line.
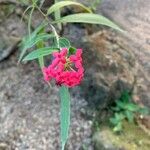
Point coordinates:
[[125, 109], [39, 43]]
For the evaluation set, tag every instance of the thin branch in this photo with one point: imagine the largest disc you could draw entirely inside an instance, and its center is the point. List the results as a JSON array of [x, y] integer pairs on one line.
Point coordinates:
[[53, 28]]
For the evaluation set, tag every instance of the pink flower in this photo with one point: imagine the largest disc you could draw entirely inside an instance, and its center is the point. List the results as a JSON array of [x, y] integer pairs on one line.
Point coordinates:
[[66, 70]]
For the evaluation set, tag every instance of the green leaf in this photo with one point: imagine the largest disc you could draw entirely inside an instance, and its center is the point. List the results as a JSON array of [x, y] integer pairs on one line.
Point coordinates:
[[115, 108], [125, 97], [121, 104], [30, 19], [64, 114], [39, 53], [119, 116], [129, 115], [72, 50], [40, 44], [61, 4], [114, 121], [118, 127], [27, 40], [88, 18], [132, 107], [64, 43], [57, 15], [43, 36]]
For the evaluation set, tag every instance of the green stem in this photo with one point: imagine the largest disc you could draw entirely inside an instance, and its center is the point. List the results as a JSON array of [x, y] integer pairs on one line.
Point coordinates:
[[53, 28], [55, 33], [40, 44]]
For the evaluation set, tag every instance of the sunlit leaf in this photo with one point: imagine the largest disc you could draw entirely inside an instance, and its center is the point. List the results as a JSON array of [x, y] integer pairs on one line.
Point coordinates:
[[39, 53], [57, 15], [88, 18], [62, 4]]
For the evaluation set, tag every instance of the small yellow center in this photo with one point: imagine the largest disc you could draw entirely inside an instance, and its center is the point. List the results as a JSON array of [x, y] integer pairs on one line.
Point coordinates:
[[68, 64]]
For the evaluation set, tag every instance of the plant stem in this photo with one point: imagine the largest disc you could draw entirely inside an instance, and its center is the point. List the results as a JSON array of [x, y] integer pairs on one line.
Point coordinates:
[[52, 27]]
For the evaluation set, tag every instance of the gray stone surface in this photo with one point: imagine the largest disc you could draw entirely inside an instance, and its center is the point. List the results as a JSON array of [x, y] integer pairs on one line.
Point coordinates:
[[11, 30], [110, 69], [110, 66], [29, 111], [133, 16], [102, 141]]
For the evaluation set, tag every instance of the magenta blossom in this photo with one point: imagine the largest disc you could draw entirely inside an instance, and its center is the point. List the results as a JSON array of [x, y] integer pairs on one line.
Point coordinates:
[[65, 70]]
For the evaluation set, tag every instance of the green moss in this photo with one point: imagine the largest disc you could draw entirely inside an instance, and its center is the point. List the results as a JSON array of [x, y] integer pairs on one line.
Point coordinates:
[[132, 138]]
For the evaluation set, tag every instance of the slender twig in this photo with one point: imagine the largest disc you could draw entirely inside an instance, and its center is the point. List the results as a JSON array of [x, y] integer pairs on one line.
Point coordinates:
[[25, 12], [52, 27]]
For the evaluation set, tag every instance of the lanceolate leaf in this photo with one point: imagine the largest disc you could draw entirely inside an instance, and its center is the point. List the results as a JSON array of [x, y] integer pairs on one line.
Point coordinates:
[[29, 21], [29, 41], [61, 4], [43, 36], [88, 18], [57, 15], [64, 114], [39, 53]]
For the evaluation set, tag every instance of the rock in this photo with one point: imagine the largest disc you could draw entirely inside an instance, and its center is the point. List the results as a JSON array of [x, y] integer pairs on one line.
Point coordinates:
[[29, 111], [131, 138], [133, 16], [110, 69], [12, 29], [3, 146], [102, 141]]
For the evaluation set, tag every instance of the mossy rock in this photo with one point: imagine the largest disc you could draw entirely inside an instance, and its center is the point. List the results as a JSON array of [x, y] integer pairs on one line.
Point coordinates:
[[132, 138]]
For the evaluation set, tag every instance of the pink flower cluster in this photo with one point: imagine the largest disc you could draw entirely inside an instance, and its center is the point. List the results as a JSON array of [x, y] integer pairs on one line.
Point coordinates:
[[66, 70]]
